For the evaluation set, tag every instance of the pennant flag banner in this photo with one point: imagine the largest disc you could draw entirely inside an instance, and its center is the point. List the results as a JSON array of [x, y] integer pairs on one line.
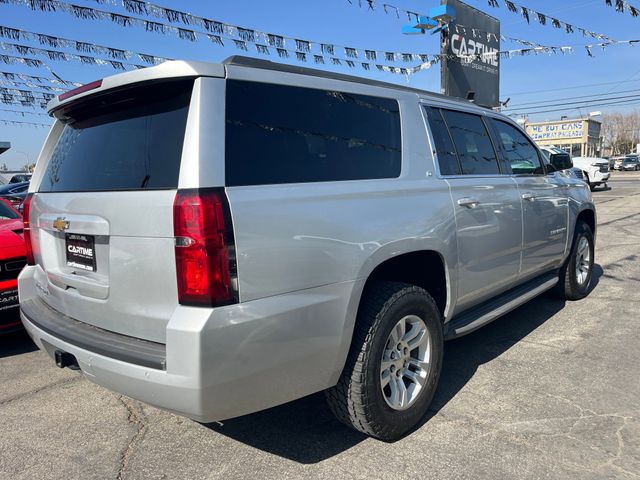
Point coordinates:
[[217, 32], [23, 113], [24, 124], [622, 6], [32, 85], [542, 18], [35, 78], [81, 47], [58, 55]]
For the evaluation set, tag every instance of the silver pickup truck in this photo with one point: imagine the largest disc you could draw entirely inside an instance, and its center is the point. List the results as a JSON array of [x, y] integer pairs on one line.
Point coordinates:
[[217, 239]]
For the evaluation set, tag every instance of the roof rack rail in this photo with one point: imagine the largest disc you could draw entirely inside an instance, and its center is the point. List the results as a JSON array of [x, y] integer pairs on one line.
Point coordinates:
[[243, 61]]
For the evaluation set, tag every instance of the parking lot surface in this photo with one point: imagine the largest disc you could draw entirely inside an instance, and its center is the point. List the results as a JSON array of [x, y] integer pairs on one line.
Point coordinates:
[[551, 390]]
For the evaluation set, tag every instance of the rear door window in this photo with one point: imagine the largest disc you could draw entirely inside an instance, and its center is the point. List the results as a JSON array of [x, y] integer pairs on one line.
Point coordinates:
[[472, 142], [125, 140], [445, 150], [517, 149], [279, 134]]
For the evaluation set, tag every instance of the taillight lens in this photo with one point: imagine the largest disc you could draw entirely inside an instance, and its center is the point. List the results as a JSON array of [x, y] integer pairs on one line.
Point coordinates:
[[205, 251], [26, 208]]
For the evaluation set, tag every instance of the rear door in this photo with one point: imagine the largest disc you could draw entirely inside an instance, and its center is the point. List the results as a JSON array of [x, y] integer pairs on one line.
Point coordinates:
[[544, 200], [487, 205], [102, 217]]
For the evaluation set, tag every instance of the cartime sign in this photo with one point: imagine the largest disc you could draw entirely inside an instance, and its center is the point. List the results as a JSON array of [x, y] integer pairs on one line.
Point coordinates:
[[467, 69]]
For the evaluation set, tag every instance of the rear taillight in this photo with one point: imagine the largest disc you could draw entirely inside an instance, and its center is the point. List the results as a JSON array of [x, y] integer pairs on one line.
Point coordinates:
[[27, 229], [204, 247]]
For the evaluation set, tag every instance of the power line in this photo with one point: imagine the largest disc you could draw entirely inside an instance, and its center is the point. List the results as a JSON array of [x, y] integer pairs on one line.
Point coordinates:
[[594, 96], [572, 88], [634, 101]]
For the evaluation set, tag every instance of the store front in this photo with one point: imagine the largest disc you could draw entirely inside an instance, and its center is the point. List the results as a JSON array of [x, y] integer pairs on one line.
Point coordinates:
[[579, 137]]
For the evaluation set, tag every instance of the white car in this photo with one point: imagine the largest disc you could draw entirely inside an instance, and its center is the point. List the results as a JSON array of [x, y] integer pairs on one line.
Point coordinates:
[[596, 170]]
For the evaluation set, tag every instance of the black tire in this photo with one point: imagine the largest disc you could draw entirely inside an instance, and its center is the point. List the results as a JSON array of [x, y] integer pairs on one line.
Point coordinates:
[[569, 287], [591, 186], [358, 400]]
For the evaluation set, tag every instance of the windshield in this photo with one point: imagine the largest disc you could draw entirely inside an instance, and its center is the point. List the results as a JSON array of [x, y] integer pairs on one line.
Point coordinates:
[[125, 140], [7, 213]]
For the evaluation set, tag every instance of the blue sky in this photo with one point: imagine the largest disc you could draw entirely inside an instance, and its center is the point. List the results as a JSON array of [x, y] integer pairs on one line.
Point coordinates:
[[524, 79]]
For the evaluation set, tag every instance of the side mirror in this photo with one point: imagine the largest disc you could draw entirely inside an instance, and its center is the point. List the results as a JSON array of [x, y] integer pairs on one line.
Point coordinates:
[[561, 162]]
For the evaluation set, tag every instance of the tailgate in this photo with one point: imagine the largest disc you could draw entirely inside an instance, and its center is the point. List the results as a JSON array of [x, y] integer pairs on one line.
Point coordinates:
[[102, 217]]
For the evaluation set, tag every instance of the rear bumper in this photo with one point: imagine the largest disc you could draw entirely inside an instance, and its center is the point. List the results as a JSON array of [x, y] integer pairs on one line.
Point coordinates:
[[224, 362]]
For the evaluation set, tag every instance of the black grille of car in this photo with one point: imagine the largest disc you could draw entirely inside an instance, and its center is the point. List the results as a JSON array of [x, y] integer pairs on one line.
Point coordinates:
[[10, 269], [604, 168]]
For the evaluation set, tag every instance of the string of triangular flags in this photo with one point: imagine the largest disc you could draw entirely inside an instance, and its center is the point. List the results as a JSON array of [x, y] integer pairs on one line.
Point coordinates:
[[526, 12], [24, 124], [23, 113], [36, 78], [303, 50], [622, 6], [24, 97], [114, 54], [544, 19], [32, 85]]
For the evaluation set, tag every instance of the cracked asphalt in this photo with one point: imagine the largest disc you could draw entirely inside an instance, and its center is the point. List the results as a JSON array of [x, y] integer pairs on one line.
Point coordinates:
[[551, 390]]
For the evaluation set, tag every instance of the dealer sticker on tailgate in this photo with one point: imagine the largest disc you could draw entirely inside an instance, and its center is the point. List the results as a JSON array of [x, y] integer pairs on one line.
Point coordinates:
[[81, 252]]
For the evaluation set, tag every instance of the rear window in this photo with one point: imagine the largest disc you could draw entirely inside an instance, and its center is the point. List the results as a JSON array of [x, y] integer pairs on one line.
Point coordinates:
[[474, 147], [126, 140], [279, 134]]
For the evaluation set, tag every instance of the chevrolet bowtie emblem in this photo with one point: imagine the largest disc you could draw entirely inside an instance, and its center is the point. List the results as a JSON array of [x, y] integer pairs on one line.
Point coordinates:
[[60, 224]]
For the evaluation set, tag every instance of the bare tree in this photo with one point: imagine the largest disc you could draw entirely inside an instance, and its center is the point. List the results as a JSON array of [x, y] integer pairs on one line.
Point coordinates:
[[621, 132]]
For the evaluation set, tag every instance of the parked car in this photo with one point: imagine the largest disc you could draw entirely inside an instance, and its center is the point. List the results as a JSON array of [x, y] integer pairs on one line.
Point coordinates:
[[20, 177], [260, 232], [630, 162], [615, 162], [12, 260], [13, 188], [596, 170]]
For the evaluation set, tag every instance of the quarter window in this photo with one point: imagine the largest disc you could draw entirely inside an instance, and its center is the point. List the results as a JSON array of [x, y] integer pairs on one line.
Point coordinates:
[[517, 150], [472, 142], [279, 134]]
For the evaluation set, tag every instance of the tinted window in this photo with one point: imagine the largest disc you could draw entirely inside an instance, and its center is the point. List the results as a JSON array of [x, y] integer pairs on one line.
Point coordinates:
[[445, 151], [472, 142], [7, 213], [516, 148], [128, 140], [281, 134]]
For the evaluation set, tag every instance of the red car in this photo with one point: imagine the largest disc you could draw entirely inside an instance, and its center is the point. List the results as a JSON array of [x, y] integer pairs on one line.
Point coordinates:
[[12, 259]]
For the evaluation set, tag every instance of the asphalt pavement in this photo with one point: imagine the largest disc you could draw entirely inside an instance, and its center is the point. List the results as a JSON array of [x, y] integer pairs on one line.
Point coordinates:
[[551, 390]]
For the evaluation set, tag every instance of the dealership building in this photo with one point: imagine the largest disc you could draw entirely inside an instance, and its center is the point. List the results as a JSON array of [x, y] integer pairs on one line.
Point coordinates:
[[580, 137]]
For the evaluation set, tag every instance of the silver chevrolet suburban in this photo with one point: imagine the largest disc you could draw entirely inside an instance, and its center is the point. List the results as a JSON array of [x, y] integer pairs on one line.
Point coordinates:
[[217, 239]]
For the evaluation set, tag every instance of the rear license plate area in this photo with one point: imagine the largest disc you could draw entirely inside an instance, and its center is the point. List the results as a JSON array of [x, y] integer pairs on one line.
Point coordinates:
[[80, 251], [8, 299]]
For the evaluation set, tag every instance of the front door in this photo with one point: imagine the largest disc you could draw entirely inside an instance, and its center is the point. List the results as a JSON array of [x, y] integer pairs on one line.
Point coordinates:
[[545, 207]]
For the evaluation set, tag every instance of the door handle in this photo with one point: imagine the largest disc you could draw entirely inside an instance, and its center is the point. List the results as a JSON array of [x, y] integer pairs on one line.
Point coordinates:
[[470, 202], [528, 196]]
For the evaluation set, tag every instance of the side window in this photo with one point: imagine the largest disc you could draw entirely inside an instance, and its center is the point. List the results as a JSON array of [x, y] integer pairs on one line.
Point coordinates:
[[445, 151], [518, 151], [474, 147], [278, 134]]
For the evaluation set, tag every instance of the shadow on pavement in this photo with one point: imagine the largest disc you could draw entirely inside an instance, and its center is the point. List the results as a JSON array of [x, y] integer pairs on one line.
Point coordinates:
[[305, 430], [15, 343]]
